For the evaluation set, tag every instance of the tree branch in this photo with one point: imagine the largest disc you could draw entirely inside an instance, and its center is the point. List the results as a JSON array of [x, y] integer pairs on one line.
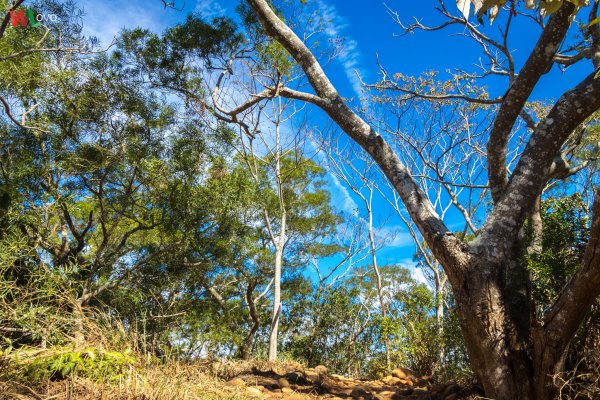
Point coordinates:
[[534, 166], [538, 63], [448, 248]]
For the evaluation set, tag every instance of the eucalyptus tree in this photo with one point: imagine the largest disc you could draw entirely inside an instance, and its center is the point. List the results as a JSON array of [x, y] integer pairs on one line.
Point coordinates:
[[439, 142], [345, 253], [275, 220], [293, 202], [359, 175], [298, 219], [513, 354]]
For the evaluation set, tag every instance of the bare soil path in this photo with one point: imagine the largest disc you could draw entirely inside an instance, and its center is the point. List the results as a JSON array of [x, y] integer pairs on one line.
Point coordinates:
[[316, 383]]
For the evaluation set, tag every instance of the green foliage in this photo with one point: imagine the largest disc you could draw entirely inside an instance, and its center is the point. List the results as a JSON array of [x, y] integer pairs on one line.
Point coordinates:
[[34, 304], [563, 242], [274, 55], [96, 364], [564, 237], [131, 202], [455, 364], [348, 336], [219, 37], [170, 60]]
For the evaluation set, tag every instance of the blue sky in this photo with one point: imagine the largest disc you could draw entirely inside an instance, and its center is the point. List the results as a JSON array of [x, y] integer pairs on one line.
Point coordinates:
[[366, 26], [369, 31]]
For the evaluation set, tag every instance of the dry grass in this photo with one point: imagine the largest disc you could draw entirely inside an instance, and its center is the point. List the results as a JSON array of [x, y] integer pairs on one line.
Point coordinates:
[[172, 381], [141, 379], [65, 328]]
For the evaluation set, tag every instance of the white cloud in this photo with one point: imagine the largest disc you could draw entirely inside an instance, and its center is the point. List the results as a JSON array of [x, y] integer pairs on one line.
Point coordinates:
[[417, 275], [415, 272], [210, 9], [349, 56], [339, 192], [106, 19], [396, 236], [347, 203]]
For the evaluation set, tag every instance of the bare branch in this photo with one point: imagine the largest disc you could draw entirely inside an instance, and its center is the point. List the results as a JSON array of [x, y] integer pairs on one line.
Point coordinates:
[[438, 236], [538, 63]]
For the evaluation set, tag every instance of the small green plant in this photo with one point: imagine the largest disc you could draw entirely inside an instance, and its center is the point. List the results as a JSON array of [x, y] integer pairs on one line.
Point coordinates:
[[96, 364]]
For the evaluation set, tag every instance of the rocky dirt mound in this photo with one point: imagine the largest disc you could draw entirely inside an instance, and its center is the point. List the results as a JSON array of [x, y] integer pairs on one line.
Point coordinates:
[[317, 383]]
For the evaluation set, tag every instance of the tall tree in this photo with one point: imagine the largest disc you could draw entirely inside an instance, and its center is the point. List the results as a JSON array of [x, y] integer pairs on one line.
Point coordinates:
[[296, 214], [359, 174], [513, 355]]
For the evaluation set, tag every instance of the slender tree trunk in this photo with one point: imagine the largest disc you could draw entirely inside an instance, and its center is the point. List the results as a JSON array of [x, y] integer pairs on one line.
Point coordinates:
[[439, 317], [382, 305], [246, 349], [276, 300], [280, 243], [248, 345], [316, 319]]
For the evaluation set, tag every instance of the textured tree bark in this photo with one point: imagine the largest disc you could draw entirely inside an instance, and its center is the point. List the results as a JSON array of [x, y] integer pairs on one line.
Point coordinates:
[[496, 353], [538, 63], [439, 315]]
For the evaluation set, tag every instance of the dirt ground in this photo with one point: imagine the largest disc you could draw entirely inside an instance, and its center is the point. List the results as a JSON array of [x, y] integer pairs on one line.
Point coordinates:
[[251, 380], [316, 383]]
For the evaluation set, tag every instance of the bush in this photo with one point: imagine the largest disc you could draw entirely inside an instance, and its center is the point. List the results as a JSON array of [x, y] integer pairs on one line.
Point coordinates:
[[60, 363]]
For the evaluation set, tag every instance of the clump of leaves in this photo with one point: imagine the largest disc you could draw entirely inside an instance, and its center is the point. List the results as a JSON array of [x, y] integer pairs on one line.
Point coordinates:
[[565, 234], [273, 53], [492, 7], [92, 363]]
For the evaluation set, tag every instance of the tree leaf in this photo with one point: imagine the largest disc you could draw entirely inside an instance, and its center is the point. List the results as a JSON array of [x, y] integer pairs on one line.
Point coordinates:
[[593, 22], [550, 6], [493, 6], [464, 6]]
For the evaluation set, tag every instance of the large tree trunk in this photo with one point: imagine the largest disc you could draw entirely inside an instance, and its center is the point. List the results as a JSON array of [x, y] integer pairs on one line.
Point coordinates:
[[513, 355], [500, 357], [497, 354]]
